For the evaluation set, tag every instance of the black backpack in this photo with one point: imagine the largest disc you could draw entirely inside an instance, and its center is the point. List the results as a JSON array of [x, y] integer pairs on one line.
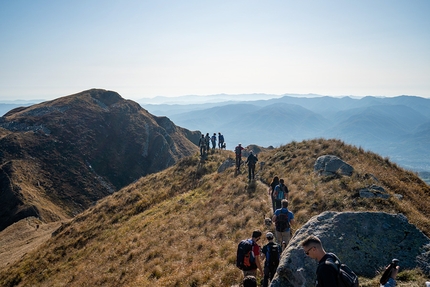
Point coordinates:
[[282, 222], [245, 259], [273, 253], [238, 150], [345, 276]]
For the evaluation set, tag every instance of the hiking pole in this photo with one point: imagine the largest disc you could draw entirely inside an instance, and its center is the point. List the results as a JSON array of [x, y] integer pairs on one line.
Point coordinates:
[[387, 272]]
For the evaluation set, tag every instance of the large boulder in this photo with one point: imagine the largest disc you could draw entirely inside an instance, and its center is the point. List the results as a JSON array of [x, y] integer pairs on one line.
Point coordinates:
[[331, 165], [365, 241]]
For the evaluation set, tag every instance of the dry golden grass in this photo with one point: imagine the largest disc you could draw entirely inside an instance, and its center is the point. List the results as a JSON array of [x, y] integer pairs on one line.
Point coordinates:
[[181, 226]]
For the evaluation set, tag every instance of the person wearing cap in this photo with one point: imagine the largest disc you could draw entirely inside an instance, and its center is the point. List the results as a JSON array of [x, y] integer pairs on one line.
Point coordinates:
[[251, 161], [271, 253]]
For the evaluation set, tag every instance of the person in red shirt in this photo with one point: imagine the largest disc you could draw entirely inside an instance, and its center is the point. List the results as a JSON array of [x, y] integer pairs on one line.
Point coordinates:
[[256, 236]]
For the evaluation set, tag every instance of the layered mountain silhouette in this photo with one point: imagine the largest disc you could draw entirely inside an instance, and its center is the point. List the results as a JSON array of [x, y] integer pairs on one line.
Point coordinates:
[[59, 157], [395, 127]]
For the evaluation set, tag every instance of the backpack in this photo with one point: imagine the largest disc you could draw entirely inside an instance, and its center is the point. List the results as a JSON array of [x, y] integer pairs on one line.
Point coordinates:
[[345, 276], [245, 259], [238, 150], [252, 159], [282, 222], [279, 192], [273, 253]]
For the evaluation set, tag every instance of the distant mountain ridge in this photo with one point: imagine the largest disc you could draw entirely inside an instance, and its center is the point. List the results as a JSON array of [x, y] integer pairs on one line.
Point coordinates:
[[59, 157], [394, 127]]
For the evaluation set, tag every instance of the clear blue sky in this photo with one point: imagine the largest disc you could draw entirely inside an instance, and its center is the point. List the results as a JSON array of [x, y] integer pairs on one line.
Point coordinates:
[[151, 48]]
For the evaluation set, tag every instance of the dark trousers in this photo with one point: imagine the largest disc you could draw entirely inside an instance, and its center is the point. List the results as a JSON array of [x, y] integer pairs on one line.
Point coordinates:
[[251, 170], [238, 161], [269, 272]]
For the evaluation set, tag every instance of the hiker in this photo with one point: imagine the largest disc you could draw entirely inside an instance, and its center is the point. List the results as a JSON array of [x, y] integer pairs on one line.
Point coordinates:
[[249, 281], [392, 280], [220, 141], [213, 140], [238, 151], [202, 145], [271, 253], [280, 193], [283, 219], [252, 257], [273, 184], [207, 140], [326, 274], [251, 161]]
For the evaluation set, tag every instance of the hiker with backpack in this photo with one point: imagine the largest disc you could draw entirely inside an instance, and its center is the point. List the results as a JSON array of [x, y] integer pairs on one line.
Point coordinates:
[[213, 140], [251, 161], [238, 151], [248, 255], [273, 184], [281, 192], [207, 141], [202, 145], [330, 272], [220, 141], [271, 253], [283, 219]]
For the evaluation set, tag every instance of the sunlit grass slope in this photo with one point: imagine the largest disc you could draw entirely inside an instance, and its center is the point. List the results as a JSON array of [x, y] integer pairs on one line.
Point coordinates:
[[181, 226], [312, 194]]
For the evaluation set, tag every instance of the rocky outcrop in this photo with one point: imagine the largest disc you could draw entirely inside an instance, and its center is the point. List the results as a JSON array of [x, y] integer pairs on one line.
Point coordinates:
[[365, 241], [59, 157], [373, 191], [229, 162], [328, 165]]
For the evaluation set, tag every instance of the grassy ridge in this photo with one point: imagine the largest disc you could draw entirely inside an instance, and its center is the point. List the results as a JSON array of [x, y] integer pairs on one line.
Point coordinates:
[[181, 226]]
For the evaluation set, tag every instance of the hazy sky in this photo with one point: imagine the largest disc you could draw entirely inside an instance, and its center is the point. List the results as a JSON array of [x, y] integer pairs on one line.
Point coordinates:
[[151, 48]]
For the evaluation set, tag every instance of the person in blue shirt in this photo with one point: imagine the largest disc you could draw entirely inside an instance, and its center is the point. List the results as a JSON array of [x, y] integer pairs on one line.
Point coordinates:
[[283, 219]]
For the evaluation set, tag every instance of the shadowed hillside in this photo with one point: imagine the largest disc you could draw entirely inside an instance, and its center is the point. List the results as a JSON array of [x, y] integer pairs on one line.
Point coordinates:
[[58, 158], [181, 226]]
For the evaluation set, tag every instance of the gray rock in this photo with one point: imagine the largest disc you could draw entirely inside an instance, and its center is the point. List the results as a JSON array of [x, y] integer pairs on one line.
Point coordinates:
[[374, 191], [331, 164], [365, 193], [365, 241], [229, 162]]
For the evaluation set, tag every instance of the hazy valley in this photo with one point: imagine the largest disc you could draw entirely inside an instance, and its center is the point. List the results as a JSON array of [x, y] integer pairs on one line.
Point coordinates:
[[398, 128]]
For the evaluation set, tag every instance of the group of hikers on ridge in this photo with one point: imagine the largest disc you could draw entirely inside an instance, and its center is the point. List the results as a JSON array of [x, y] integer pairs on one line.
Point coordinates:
[[251, 161], [330, 271], [205, 141], [250, 254]]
